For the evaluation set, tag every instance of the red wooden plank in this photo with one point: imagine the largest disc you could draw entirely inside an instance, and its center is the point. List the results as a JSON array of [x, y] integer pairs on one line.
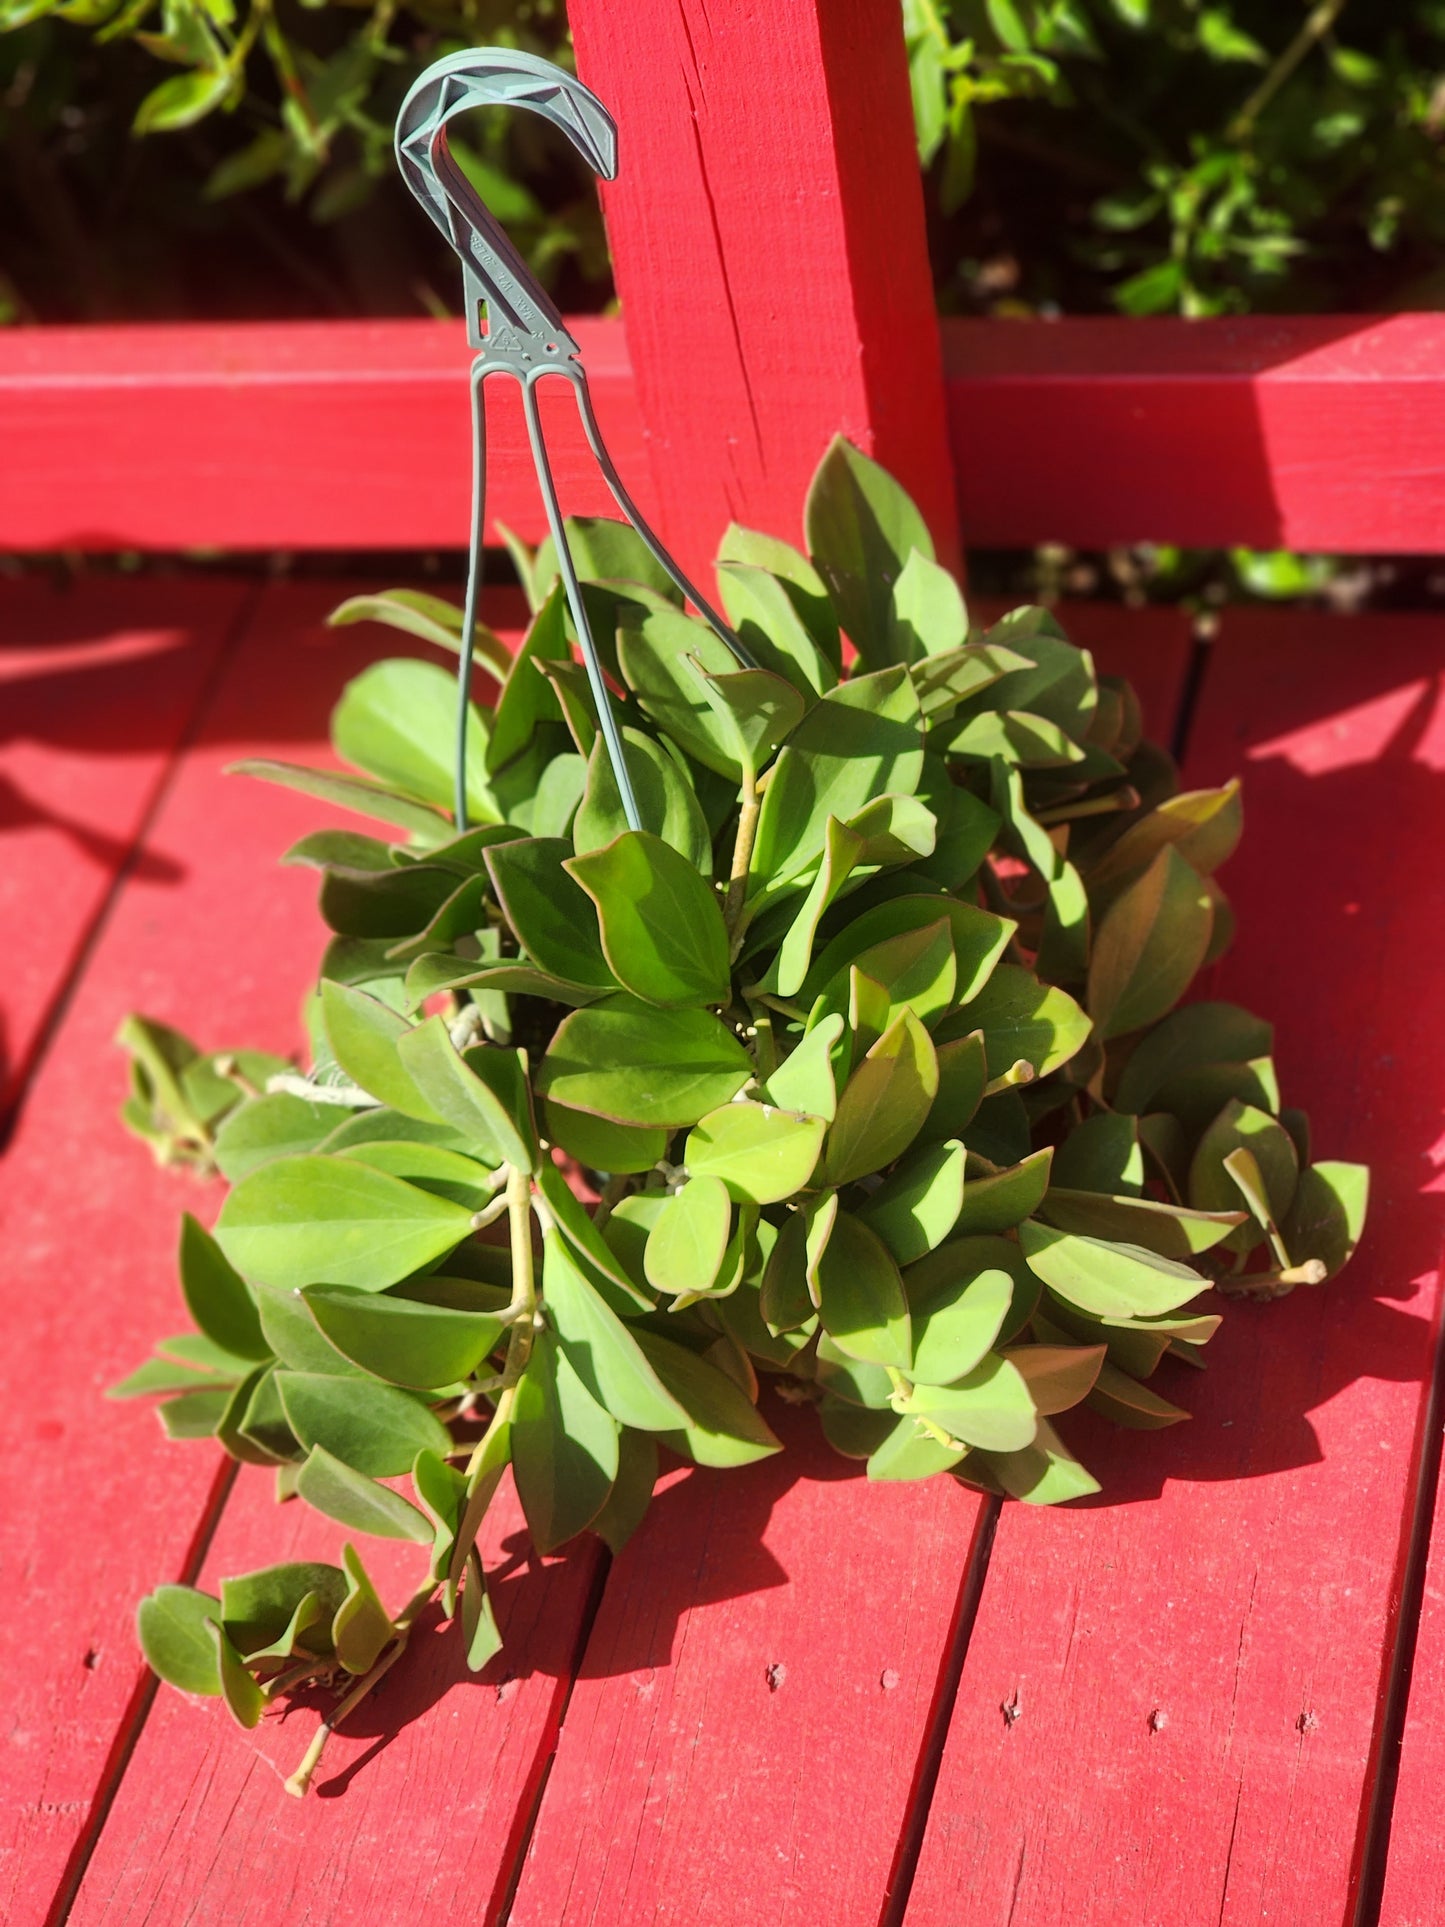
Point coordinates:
[[691, 1780], [1312, 433], [1414, 1886], [423, 1799], [1197, 1666], [212, 936], [1318, 432], [768, 241], [282, 435], [98, 682]]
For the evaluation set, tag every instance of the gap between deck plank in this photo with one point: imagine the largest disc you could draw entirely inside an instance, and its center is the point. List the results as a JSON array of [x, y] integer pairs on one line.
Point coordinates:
[[1198, 1670]]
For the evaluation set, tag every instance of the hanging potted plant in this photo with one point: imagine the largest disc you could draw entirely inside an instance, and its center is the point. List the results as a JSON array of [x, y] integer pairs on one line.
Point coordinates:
[[867, 1051]]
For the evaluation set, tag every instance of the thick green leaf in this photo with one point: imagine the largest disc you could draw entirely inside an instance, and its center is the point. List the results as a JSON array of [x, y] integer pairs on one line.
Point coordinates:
[[664, 656], [350, 793], [990, 1406], [194, 1415], [909, 1451], [860, 1295], [600, 1348], [860, 740], [527, 698], [804, 1080], [173, 1624], [400, 1341], [479, 1624], [597, 1258], [332, 1487], [1044, 1473], [997, 1201], [431, 1167], [724, 1428], [292, 1334], [1058, 1376], [1021, 1019], [1327, 1214], [1174, 1231], [427, 617], [369, 905], [861, 530], [484, 1096], [312, 1219], [1202, 825], [979, 940], [957, 1326], [635, 1064], [552, 917], [962, 1075], [1188, 1040], [601, 1145], [631, 1492], [800, 581], [160, 1375], [761, 1154], [764, 614], [1149, 944], [564, 1448], [361, 1627], [757, 709], [918, 1206], [1110, 1280], [258, 1608], [397, 721], [883, 1104], [364, 1034], [666, 801], [275, 1125], [662, 928], [443, 1494], [1242, 1127], [686, 1245], [1102, 1154], [216, 1296], [373, 1428], [928, 617], [1128, 1403], [240, 1691]]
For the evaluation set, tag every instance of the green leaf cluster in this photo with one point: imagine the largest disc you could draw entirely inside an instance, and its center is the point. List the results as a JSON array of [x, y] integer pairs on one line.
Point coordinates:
[[871, 1046]]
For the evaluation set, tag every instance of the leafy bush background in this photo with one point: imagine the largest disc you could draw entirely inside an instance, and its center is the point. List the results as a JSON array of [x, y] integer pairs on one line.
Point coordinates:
[[1149, 156]]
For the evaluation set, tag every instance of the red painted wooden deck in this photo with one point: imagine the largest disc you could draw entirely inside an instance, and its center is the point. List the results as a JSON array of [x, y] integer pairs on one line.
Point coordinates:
[[785, 1702]]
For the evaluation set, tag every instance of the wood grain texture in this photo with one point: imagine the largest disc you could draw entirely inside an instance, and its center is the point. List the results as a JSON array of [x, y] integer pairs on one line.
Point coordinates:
[[1316, 432], [768, 243], [422, 1801], [753, 1709], [211, 935], [1196, 1663], [747, 1723], [98, 682]]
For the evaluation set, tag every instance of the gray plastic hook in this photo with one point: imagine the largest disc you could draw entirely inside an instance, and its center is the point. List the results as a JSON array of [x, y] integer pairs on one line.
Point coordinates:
[[519, 331]]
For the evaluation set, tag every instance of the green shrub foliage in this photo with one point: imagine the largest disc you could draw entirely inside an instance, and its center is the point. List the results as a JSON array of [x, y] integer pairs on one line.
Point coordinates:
[[872, 1041]]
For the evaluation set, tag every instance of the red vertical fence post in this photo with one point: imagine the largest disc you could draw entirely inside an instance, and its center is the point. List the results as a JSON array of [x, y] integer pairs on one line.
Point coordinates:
[[768, 236]]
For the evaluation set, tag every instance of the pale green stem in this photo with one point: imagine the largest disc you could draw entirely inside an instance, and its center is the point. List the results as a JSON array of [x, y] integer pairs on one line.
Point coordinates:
[[1317, 24], [733, 910], [301, 1779]]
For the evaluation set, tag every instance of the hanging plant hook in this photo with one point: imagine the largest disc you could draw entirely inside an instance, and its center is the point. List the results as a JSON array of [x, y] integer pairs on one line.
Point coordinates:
[[519, 331]]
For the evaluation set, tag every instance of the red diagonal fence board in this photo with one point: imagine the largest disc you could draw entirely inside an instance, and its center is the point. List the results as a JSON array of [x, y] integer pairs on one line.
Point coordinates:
[[1197, 1667], [1316, 432], [423, 1797], [768, 240], [275, 435], [693, 1782], [211, 935], [98, 682]]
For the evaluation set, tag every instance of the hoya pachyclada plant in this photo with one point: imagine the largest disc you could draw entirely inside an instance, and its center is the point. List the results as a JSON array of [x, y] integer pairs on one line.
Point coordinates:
[[871, 1039]]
